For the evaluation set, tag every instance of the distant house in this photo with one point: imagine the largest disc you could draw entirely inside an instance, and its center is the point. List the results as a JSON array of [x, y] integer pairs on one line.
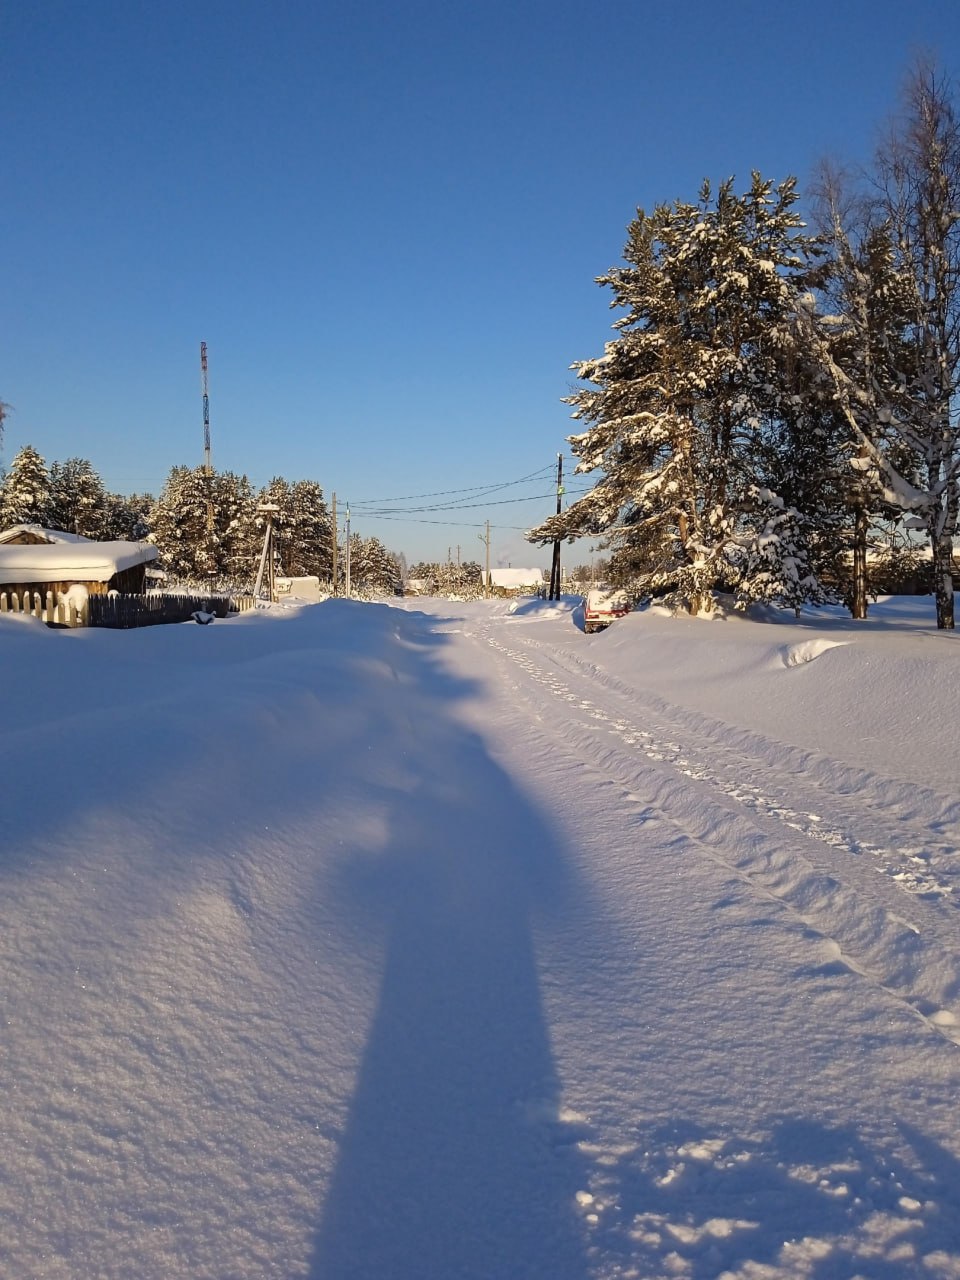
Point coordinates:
[[37, 560], [305, 589], [516, 582]]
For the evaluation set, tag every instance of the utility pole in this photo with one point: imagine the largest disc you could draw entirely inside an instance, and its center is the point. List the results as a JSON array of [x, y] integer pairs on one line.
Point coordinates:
[[486, 576], [336, 537], [346, 589], [268, 510], [555, 569]]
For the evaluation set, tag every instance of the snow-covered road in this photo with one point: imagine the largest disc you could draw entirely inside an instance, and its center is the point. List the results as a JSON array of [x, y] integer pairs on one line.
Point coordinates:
[[447, 941], [762, 1048]]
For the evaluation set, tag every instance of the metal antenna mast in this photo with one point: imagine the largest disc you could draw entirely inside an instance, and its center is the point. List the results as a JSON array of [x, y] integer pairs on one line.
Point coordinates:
[[206, 408], [207, 466]]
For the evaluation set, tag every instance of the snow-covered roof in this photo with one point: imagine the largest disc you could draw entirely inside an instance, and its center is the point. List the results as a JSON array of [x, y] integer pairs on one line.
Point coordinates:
[[74, 561], [48, 535], [513, 578]]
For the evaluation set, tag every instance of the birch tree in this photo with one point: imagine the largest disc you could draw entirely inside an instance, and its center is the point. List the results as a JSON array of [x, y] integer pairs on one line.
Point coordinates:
[[899, 316], [919, 175]]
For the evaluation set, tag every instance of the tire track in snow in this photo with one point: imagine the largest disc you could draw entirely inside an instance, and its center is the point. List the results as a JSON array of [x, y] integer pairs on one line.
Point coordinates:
[[906, 844], [917, 966]]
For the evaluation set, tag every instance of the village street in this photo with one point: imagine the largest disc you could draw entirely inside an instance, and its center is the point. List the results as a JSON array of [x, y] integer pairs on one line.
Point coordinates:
[[444, 940]]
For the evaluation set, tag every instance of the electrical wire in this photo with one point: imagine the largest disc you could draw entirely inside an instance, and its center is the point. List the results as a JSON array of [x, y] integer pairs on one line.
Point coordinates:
[[459, 506], [443, 493], [458, 524]]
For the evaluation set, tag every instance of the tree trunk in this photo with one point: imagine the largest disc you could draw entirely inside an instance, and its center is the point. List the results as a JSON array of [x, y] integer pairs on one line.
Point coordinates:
[[858, 599], [942, 546]]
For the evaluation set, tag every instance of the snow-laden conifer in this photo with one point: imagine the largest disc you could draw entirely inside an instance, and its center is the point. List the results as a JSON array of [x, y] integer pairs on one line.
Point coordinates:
[[78, 499], [681, 402], [312, 542], [127, 518], [373, 568], [25, 492], [178, 523]]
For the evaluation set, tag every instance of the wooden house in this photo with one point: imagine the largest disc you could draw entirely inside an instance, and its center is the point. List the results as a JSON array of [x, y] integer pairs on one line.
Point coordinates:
[[516, 582], [38, 561]]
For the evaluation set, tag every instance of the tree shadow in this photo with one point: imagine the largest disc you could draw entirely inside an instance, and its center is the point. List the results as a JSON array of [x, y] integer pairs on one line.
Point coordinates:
[[455, 1161], [806, 1198]]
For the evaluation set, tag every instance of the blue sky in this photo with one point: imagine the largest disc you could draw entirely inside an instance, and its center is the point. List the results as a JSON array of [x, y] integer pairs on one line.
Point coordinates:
[[385, 220]]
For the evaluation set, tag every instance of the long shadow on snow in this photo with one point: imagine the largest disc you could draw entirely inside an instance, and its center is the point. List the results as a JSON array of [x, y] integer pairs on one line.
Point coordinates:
[[734, 1205], [453, 1162]]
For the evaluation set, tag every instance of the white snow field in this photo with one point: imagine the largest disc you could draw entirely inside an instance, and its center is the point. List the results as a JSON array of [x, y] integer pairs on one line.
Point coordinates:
[[442, 941]]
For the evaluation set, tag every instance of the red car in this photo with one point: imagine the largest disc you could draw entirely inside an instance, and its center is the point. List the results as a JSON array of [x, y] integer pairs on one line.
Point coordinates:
[[600, 608]]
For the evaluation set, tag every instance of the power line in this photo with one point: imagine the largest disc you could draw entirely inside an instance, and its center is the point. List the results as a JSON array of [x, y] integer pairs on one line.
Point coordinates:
[[461, 506], [443, 493], [457, 524]]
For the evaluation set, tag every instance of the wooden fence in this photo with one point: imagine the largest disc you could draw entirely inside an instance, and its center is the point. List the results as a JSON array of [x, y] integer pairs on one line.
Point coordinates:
[[120, 611]]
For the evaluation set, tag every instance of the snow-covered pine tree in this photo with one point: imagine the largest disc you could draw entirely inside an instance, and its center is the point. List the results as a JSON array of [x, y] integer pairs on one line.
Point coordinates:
[[78, 499], [312, 541], [681, 400], [359, 567], [25, 492], [178, 524], [127, 517], [373, 569], [449, 579], [239, 539], [384, 572], [472, 579]]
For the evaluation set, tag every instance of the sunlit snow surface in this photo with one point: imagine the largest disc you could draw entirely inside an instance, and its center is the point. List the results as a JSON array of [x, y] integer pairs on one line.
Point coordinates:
[[443, 940]]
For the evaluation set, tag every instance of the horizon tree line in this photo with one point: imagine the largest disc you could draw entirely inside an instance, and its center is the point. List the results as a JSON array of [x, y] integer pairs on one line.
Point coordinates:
[[192, 547]]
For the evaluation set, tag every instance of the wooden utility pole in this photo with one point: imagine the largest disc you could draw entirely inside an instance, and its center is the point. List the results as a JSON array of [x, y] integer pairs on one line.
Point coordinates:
[[555, 568], [346, 584], [486, 576], [336, 537], [268, 510]]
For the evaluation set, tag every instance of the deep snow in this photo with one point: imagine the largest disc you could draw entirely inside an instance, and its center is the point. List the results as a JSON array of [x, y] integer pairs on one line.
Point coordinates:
[[444, 940]]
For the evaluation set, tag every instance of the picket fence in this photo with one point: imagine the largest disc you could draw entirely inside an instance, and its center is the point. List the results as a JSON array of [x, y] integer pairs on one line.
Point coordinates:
[[119, 611]]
